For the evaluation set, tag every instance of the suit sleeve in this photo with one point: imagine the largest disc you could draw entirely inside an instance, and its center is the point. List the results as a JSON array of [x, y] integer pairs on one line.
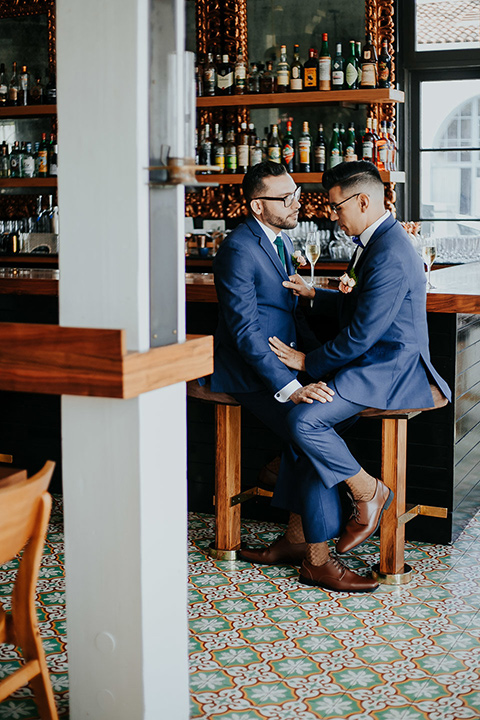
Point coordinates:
[[382, 291], [235, 285]]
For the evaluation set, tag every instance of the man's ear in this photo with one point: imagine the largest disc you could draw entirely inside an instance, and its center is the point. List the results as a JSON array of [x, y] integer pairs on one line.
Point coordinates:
[[256, 207], [364, 202]]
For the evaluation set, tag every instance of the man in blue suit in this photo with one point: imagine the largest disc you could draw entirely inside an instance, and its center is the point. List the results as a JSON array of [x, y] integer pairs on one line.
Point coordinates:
[[252, 269], [380, 358]]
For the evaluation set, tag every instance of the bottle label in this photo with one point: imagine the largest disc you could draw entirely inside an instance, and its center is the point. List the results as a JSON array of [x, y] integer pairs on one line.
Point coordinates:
[[288, 153], [304, 147], [383, 153], [53, 169], [242, 155], [13, 94], [325, 69], [296, 83], [351, 74], [3, 90], [295, 74], [320, 155], [29, 167], [367, 54], [283, 76], [23, 82], [13, 162], [335, 158], [209, 75], [337, 78], [240, 73], [310, 79], [42, 161], [255, 155], [225, 81], [275, 154], [349, 154], [219, 158], [369, 75], [383, 71], [231, 161], [367, 150]]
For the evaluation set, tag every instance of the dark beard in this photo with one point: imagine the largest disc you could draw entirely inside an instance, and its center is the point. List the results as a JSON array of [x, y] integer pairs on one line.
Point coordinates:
[[287, 223]]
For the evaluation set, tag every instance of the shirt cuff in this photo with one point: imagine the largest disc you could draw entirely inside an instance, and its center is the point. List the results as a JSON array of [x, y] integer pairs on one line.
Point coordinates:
[[284, 394]]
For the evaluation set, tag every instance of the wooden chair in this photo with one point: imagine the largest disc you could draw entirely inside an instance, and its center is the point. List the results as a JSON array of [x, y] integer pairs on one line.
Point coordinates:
[[228, 495], [24, 513]]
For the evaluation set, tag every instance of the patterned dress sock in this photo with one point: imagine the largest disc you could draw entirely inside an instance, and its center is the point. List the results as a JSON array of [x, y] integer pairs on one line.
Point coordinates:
[[362, 486], [294, 532], [317, 553]]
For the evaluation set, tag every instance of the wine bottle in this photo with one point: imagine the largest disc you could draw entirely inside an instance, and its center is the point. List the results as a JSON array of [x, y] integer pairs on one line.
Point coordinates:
[[349, 147], [283, 71], [225, 77], [288, 149], [43, 157], [28, 164], [338, 69], [369, 150], [335, 154], [240, 74], [36, 91], [274, 146], [15, 160], [267, 80], [296, 72], [393, 146], [254, 79], [13, 87], [205, 148], [320, 150], [230, 152], [358, 46], [305, 149], [4, 162], [351, 69], [384, 66], [199, 78], [218, 150], [242, 149], [369, 64], [3, 86], [310, 71], [24, 86], [325, 65], [256, 152], [210, 76], [383, 148]]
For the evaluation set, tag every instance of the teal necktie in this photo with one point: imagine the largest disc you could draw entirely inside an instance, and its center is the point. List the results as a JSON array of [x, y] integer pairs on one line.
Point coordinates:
[[281, 249]]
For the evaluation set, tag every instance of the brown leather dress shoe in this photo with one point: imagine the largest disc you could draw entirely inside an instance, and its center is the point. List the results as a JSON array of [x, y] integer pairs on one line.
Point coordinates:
[[334, 575], [281, 552], [365, 518]]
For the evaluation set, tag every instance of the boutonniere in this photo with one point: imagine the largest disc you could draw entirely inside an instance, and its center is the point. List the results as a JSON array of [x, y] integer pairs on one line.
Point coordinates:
[[348, 280], [298, 260]]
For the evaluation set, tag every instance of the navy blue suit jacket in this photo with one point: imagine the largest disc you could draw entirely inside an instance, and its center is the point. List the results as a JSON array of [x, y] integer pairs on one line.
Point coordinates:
[[381, 356], [254, 305]]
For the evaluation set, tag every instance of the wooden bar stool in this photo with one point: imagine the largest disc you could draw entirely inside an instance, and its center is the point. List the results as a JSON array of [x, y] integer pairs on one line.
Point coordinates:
[[392, 569], [228, 495]]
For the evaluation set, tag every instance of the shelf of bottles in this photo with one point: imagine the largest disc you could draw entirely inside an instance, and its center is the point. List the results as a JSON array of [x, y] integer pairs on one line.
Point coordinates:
[[27, 111], [300, 178], [350, 97]]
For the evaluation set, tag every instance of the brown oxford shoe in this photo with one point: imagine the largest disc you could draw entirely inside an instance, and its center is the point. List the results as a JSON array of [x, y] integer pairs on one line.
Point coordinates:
[[334, 575], [281, 552], [365, 518]]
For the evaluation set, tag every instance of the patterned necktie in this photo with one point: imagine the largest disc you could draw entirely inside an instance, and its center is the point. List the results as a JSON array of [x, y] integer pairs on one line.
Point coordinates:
[[278, 242]]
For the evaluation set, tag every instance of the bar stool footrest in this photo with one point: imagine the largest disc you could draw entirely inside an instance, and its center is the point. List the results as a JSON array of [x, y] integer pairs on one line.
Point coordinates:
[[414, 510], [248, 494]]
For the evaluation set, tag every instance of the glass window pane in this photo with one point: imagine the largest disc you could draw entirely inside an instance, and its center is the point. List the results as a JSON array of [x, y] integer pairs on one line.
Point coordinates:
[[453, 243], [450, 188], [450, 114], [447, 24]]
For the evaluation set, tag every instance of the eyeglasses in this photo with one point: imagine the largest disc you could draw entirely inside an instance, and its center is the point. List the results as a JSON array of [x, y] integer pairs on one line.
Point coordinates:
[[287, 200], [335, 206]]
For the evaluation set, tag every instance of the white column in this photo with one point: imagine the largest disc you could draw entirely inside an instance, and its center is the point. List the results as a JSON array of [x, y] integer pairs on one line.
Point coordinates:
[[124, 468]]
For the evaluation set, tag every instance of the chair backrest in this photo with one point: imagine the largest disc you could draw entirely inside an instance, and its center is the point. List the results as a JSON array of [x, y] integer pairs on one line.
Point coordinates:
[[19, 507]]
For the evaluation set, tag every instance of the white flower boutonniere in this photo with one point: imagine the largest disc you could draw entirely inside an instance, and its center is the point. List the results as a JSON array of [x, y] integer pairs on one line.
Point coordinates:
[[347, 282], [298, 260]]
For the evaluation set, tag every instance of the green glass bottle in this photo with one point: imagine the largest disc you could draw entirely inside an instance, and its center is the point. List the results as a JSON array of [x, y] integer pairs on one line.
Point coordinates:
[[335, 155], [351, 68]]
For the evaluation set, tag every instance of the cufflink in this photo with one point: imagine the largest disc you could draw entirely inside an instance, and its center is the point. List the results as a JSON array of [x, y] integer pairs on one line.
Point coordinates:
[[293, 345]]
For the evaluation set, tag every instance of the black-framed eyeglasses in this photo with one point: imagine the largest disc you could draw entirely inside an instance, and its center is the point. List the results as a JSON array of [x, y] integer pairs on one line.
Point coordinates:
[[287, 199], [335, 206]]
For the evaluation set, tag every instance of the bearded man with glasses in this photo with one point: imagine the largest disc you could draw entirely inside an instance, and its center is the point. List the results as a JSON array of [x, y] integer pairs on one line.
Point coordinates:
[[251, 268]]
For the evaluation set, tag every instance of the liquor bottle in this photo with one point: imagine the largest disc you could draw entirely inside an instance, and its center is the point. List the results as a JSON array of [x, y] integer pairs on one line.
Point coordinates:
[[310, 71], [349, 147], [24, 86], [256, 153], [343, 139], [230, 152], [393, 147], [36, 157], [254, 79], [21, 155], [29, 162], [36, 91], [274, 146], [384, 66], [205, 148], [358, 46], [267, 80], [325, 65], [43, 157], [51, 90], [15, 161], [13, 87], [369, 64], [218, 150], [383, 148], [369, 150], [199, 79], [288, 148], [351, 69], [320, 150], [243, 149], [335, 155], [210, 76], [3, 86], [296, 72], [305, 149], [225, 77], [338, 69], [283, 71], [240, 74], [4, 162]]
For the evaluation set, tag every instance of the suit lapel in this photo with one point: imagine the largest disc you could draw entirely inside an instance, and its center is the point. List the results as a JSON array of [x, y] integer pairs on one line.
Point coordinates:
[[383, 228], [267, 246]]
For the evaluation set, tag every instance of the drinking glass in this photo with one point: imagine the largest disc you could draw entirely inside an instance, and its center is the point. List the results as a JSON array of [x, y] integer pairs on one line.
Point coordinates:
[[312, 252], [429, 253]]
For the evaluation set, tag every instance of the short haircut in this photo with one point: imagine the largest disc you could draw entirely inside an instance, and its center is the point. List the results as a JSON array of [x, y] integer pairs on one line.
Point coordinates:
[[253, 182], [353, 175]]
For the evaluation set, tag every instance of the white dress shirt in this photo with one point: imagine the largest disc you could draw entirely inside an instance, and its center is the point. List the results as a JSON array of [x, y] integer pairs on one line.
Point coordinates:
[[367, 234]]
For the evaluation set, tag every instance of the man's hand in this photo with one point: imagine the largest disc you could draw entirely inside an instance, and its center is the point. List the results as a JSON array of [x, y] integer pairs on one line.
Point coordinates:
[[315, 391], [298, 286], [291, 358], [347, 284]]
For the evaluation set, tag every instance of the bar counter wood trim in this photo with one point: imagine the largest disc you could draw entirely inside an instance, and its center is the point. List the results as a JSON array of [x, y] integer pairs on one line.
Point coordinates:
[[91, 361]]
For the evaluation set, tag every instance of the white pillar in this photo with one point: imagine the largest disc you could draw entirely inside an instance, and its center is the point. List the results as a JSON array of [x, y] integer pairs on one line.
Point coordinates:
[[124, 468]]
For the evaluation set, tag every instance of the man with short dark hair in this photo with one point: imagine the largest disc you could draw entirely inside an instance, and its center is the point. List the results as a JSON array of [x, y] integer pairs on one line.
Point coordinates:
[[380, 358], [252, 269]]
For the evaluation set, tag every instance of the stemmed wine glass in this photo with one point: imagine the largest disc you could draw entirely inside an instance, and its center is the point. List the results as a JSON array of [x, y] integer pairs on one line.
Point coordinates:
[[312, 251], [429, 253]]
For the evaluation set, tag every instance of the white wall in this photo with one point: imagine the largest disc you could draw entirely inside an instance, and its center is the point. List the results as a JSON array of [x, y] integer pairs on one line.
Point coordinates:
[[124, 463]]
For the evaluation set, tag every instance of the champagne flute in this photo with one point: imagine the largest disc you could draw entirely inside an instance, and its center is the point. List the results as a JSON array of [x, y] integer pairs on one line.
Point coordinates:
[[429, 253], [312, 251]]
